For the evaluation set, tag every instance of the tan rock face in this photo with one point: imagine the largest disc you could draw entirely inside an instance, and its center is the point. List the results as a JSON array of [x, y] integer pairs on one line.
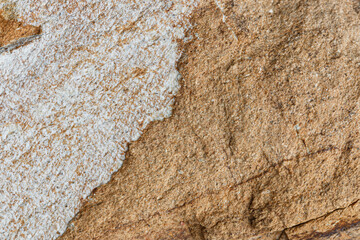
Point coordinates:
[[264, 139]]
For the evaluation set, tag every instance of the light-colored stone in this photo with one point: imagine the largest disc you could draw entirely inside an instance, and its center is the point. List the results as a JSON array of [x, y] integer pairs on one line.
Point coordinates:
[[73, 97]]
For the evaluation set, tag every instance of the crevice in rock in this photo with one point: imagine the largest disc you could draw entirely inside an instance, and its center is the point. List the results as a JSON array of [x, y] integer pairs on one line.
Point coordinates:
[[19, 43], [357, 6], [197, 231], [322, 216], [251, 216], [283, 236]]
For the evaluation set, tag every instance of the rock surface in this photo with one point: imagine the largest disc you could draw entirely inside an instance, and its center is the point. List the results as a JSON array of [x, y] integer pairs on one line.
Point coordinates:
[[264, 139], [79, 80]]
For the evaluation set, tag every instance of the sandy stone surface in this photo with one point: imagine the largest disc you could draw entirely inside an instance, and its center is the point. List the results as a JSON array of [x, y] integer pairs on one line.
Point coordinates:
[[79, 80], [263, 142]]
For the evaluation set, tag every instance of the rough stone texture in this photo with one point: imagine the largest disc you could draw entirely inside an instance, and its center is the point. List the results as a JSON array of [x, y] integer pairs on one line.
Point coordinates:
[[264, 139], [74, 96], [343, 223]]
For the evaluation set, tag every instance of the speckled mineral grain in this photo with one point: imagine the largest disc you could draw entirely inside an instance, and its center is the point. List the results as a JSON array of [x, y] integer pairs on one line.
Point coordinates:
[[74, 96]]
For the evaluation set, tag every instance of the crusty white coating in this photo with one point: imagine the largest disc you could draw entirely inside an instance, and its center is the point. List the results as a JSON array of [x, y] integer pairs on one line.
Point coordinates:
[[73, 98]]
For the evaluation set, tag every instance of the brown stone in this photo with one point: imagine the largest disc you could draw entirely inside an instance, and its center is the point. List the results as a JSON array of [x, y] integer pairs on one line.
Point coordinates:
[[264, 137], [12, 30]]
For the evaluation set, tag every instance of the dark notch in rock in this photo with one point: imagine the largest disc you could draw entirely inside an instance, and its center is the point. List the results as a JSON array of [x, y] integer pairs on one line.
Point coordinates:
[[357, 6]]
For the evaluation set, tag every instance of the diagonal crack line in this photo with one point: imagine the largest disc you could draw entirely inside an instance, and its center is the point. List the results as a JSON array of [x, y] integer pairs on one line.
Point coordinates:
[[323, 216], [226, 188], [20, 42]]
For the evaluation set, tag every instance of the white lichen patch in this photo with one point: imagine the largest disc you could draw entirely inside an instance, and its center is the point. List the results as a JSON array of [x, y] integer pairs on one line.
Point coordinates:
[[72, 99]]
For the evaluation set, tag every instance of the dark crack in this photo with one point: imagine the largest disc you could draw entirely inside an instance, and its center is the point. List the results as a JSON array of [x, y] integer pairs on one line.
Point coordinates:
[[19, 43], [323, 216], [227, 188]]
